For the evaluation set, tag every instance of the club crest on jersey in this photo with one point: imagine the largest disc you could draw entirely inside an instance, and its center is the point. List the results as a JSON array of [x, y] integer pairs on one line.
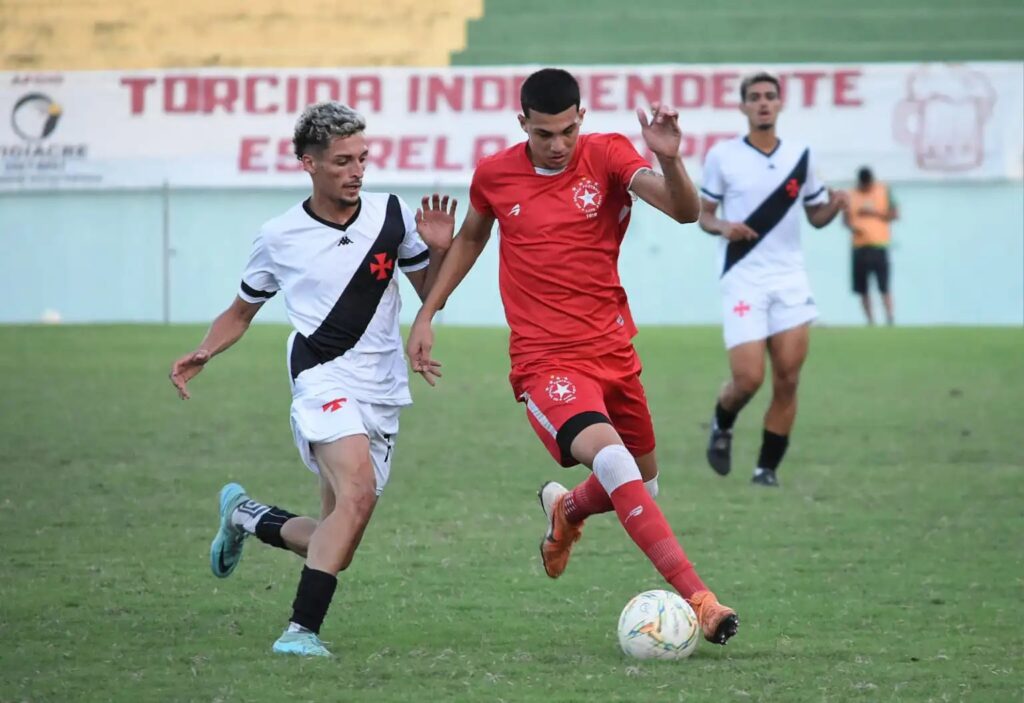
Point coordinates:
[[586, 194], [561, 390], [381, 266]]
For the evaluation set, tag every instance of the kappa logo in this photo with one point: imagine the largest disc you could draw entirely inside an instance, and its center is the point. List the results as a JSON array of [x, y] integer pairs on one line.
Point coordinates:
[[344, 240], [514, 212], [561, 390], [335, 405], [586, 194]]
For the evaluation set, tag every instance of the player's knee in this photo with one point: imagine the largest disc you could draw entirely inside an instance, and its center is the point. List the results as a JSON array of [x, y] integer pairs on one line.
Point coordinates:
[[748, 381], [615, 466], [785, 381]]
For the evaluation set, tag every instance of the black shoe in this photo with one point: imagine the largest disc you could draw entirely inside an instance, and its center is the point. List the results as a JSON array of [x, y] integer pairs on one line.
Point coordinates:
[[765, 477], [720, 450]]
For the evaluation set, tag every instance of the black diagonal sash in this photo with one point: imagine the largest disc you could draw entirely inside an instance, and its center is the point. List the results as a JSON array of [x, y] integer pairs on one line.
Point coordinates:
[[769, 213], [357, 304]]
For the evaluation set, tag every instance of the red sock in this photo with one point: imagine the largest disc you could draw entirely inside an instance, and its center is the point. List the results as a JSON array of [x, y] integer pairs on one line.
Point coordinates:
[[588, 498], [647, 526]]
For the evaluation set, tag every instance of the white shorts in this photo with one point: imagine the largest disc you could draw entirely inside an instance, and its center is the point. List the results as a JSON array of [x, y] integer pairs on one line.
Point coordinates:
[[329, 415], [751, 313]]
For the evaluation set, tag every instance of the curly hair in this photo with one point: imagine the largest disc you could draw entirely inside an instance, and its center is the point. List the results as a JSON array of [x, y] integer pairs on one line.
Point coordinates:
[[321, 122]]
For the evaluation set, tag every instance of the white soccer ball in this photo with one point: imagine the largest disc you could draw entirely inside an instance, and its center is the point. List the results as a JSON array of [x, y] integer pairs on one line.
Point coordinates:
[[658, 625]]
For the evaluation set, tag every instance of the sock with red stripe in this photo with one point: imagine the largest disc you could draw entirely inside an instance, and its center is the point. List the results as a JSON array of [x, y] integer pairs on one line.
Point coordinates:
[[643, 520]]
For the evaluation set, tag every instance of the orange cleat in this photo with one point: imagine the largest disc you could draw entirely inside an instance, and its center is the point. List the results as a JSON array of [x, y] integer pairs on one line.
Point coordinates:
[[718, 622], [561, 534]]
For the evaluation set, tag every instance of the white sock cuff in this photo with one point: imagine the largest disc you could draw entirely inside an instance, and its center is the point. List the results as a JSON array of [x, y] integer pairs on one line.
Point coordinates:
[[614, 466], [652, 487]]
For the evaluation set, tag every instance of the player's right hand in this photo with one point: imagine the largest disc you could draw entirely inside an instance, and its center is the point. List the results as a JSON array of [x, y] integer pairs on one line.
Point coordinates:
[[185, 369], [421, 341], [738, 231]]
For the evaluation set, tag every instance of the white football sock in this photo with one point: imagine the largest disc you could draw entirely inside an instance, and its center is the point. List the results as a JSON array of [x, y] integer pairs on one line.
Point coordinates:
[[614, 466], [248, 514]]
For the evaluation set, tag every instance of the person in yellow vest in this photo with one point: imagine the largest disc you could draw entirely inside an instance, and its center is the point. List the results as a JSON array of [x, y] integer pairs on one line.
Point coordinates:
[[871, 211]]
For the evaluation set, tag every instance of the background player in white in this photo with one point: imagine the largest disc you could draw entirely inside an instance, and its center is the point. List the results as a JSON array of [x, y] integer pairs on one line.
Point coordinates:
[[761, 182], [334, 257]]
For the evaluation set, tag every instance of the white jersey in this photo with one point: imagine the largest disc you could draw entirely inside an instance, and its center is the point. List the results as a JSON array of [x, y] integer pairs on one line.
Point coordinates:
[[340, 293], [767, 192]]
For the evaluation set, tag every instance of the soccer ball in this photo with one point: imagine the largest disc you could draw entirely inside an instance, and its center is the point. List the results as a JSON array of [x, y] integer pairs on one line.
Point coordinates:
[[658, 625]]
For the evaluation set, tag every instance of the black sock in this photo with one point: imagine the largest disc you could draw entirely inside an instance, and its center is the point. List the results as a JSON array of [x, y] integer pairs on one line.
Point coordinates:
[[725, 419], [313, 597], [268, 529], [773, 448]]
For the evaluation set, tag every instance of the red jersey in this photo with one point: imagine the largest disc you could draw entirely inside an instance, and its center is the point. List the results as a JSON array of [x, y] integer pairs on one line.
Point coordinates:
[[559, 241]]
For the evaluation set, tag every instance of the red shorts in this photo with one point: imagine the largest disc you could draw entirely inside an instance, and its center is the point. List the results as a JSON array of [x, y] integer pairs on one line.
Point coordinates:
[[564, 397]]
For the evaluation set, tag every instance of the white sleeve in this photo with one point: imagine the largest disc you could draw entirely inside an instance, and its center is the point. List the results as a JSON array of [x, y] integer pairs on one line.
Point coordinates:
[[814, 192], [412, 252], [259, 284], [712, 184]]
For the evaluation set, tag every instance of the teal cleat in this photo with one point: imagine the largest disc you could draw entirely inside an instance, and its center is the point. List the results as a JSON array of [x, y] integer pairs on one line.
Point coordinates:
[[226, 549], [304, 644]]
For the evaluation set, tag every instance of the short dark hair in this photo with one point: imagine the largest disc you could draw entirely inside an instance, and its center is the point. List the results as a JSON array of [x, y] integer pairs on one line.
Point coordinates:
[[759, 77], [864, 176], [549, 90]]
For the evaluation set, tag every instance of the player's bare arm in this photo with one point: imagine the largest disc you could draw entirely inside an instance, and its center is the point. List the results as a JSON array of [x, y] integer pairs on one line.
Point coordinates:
[[821, 215], [435, 223], [227, 328], [463, 253], [674, 192], [712, 224]]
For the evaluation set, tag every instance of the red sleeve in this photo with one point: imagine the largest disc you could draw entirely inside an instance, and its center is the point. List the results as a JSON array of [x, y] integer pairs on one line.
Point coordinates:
[[477, 194], [623, 160]]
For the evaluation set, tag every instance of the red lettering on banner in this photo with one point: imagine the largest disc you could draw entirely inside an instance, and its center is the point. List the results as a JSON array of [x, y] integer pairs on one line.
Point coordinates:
[[809, 82], [287, 162], [687, 97], [452, 93], [441, 162], [364, 93], [414, 94], [250, 150], [600, 86], [219, 92], [485, 146], [292, 94], [380, 149], [844, 84], [137, 88], [251, 86], [650, 89], [181, 94], [725, 91], [489, 93], [410, 154], [321, 88]]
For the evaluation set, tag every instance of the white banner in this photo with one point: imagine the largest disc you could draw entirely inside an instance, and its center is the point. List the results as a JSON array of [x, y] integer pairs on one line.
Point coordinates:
[[232, 127]]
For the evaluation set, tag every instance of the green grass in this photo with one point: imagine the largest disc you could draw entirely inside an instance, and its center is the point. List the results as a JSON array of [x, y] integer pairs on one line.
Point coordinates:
[[888, 568]]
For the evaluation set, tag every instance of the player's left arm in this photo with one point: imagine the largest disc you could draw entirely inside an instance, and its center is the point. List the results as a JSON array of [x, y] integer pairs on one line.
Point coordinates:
[[821, 204], [673, 193], [435, 224], [820, 215]]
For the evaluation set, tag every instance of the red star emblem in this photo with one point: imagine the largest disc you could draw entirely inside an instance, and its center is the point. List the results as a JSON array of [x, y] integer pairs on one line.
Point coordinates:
[[382, 266], [792, 187]]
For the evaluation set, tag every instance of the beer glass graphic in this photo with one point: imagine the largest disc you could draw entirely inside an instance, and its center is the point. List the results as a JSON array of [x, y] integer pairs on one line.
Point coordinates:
[[943, 117]]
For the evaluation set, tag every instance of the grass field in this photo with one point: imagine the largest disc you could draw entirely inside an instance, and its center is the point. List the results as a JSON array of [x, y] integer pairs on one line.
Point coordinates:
[[887, 568]]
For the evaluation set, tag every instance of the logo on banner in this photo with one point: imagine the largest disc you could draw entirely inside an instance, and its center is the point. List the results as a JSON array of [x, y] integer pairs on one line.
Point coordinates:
[[944, 117], [587, 196], [35, 116], [561, 390], [37, 158]]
